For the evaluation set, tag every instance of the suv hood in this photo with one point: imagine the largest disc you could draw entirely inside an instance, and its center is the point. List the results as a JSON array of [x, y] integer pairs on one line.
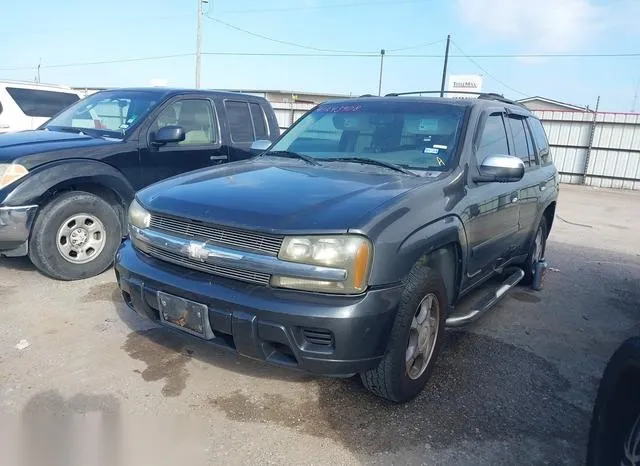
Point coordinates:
[[278, 196], [24, 143]]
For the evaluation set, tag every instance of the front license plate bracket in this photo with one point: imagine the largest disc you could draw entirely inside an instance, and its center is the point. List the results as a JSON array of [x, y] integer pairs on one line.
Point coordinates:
[[185, 315]]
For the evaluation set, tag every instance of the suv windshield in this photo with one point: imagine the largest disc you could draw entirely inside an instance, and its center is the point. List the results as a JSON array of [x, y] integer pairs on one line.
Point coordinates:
[[410, 134], [108, 113]]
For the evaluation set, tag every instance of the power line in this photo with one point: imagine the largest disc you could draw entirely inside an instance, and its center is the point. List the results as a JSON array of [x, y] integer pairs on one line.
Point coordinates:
[[322, 7], [373, 54], [486, 72], [104, 62], [283, 42], [419, 46]]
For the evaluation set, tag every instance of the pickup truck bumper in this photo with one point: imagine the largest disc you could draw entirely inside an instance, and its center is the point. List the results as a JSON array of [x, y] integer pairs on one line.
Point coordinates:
[[317, 333], [15, 226]]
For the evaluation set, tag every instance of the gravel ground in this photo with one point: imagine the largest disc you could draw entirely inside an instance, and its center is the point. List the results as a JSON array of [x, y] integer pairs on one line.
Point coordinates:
[[515, 388]]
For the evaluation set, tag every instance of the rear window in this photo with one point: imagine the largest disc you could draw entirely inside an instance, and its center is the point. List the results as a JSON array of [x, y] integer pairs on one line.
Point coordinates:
[[540, 139], [41, 103], [259, 122], [240, 122]]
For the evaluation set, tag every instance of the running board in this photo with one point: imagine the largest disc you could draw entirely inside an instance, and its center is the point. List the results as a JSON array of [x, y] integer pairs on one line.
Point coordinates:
[[487, 301]]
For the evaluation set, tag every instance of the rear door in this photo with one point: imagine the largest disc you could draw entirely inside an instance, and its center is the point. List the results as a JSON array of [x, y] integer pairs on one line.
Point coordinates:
[[39, 105], [201, 148], [528, 188], [247, 123], [492, 224]]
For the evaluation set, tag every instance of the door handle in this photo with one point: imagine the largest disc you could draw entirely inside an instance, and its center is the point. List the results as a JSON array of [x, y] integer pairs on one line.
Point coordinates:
[[543, 186], [218, 157], [514, 199]]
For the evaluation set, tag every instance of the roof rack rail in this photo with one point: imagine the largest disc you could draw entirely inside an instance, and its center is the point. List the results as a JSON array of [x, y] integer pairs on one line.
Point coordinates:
[[480, 95]]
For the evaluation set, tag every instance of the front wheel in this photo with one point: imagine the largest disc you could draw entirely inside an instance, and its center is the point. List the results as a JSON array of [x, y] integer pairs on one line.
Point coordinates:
[[75, 236], [415, 339]]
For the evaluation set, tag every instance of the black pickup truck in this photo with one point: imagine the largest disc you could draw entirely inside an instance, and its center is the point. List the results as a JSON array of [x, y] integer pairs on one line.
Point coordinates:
[[346, 246], [65, 188]]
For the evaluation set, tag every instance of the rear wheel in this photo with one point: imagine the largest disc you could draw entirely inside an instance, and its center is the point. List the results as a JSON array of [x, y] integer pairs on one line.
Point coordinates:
[[75, 236], [415, 339], [536, 252]]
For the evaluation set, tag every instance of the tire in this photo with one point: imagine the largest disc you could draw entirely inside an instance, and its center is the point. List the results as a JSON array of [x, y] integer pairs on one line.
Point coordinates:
[[614, 436], [532, 256], [391, 379], [60, 228]]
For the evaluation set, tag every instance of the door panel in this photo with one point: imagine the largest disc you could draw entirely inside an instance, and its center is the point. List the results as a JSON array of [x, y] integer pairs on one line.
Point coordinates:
[[201, 147], [492, 224]]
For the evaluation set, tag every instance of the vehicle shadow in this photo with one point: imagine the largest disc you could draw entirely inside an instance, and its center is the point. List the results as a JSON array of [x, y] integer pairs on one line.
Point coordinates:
[[16, 264]]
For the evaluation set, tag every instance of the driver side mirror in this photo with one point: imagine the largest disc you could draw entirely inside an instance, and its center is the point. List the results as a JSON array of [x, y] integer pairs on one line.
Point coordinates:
[[260, 145], [169, 134], [501, 169]]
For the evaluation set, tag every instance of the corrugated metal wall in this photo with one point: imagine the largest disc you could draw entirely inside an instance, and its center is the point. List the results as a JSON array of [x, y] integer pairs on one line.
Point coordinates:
[[288, 113], [612, 161]]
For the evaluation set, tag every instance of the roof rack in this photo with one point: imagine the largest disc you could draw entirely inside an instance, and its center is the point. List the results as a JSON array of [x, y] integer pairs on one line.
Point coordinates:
[[480, 95]]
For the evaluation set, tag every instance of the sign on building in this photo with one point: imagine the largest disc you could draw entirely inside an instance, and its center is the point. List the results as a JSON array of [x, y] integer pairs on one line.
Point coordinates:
[[464, 83]]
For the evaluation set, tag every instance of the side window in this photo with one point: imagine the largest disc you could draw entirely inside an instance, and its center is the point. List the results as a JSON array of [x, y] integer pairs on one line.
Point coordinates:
[[259, 122], [521, 145], [240, 124], [195, 116], [39, 103], [541, 141], [494, 138]]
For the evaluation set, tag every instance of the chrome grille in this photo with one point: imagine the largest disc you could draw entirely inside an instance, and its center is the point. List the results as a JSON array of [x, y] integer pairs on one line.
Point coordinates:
[[244, 275], [250, 241]]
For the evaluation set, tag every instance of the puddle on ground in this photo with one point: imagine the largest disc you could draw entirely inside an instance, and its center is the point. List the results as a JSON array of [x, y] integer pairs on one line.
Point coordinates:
[[103, 292], [524, 297], [165, 361], [481, 390], [6, 290]]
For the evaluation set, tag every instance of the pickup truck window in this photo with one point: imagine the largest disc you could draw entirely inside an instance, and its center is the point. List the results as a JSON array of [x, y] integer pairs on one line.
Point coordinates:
[[195, 116], [522, 145], [240, 123], [415, 136], [259, 122], [41, 103], [109, 113], [494, 138]]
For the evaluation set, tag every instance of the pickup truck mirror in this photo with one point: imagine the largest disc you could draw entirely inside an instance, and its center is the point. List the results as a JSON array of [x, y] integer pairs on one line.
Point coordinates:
[[168, 134], [501, 169], [260, 145]]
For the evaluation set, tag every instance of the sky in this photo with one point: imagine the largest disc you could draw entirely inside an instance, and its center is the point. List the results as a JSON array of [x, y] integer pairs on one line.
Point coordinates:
[[333, 46]]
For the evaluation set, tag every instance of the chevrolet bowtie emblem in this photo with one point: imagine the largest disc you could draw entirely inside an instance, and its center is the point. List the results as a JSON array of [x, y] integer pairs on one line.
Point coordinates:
[[200, 252]]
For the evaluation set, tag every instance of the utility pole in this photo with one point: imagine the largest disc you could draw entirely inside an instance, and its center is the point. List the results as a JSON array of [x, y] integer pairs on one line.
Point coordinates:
[[38, 72], [199, 44], [590, 146], [444, 68], [381, 65]]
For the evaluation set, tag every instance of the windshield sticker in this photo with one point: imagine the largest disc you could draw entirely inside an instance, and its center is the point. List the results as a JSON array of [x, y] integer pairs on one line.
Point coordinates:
[[339, 108], [440, 161], [430, 150], [124, 126], [439, 146]]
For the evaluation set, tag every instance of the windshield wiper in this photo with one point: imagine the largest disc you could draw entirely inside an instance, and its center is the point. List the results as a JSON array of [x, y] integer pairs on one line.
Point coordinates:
[[364, 160], [293, 155]]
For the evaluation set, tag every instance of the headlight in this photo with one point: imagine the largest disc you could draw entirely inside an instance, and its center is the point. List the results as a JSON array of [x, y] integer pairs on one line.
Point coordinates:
[[353, 253], [139, 216], [10, 173]]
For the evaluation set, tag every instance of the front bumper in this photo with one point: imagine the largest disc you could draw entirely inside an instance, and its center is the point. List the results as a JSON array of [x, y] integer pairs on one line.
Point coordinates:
[[277, 326], [15, 227]]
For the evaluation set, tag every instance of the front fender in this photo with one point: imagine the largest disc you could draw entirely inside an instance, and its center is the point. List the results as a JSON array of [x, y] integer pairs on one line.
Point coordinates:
[[60, 175], [392, 265]]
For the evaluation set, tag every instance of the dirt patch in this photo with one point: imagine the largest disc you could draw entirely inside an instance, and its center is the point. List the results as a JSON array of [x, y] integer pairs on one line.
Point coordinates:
[[103, 292], [166, 360], [481, 390]]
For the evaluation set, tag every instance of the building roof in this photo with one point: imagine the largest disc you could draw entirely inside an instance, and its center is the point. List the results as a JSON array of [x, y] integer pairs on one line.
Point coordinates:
[[281, 91], [554, 102]]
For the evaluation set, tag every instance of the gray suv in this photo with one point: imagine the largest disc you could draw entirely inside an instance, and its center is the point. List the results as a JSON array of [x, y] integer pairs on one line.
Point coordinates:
[[346, 246]]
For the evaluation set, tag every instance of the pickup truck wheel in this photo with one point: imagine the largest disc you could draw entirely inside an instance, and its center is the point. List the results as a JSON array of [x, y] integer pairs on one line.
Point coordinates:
[[75, 236], [415, 341], [536, 252]]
